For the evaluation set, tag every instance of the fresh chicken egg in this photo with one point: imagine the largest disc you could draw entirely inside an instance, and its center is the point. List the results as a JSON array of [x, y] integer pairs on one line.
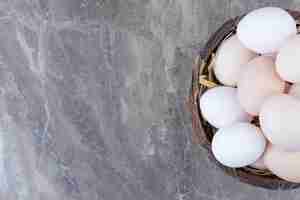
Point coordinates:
[[282, 163], [279, 120], [265, 30], [258, 82], [231, 57], [287, 61], [220, 107], [238, 145]]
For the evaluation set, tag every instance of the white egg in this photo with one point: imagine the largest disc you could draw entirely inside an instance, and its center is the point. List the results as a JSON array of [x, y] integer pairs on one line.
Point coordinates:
[[265, 30], [279, 120], [220, 107], [287, 61], [231, 58], [238, 145]]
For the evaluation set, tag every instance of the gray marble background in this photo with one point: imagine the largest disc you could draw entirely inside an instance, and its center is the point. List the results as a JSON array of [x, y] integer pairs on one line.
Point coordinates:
[[92, 100]]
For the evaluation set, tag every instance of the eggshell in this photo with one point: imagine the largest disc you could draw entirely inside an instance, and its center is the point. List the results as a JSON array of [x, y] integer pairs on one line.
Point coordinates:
[[287, 61], [295, 90], [257, 82], [284, 164], [264, 30], [220, 107], [231, 57], [279, 120], [238, 145]]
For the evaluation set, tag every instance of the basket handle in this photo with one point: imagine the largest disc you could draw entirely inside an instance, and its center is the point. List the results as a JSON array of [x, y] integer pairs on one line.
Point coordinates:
[[198, 135]]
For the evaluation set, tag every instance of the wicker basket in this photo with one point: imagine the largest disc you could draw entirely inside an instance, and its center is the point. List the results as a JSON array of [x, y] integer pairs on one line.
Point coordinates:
[[202, 79]]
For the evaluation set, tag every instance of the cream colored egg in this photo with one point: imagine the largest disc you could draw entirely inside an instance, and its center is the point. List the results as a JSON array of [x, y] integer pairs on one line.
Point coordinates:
[[279, 120], [238, 145], [258, 82], [287, 61], [265, 30], [220, 107], [284, 164], [231, 57], [295, 90]]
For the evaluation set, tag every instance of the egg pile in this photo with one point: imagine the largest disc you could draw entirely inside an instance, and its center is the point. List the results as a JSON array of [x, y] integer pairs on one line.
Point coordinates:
[[259, 67]]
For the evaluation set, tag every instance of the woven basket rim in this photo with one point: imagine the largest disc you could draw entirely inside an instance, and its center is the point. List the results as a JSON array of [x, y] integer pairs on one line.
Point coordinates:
[[203, 132]]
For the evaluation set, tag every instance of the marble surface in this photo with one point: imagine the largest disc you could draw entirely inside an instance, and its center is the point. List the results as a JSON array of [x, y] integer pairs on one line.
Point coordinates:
[[92, 100]]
